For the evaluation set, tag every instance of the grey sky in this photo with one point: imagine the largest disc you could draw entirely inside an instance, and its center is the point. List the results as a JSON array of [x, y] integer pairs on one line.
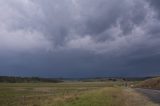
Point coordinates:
[[80, 38]]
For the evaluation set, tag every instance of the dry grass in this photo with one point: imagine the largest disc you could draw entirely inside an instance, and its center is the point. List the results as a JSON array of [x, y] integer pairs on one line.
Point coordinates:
[[153, 83]]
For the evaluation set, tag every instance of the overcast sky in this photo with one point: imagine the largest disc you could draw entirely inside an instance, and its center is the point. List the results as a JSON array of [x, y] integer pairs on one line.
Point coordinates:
[[79, 38]]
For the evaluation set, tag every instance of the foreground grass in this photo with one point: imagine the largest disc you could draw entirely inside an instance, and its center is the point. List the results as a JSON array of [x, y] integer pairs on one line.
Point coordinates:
[[103, 97], [70, 94], [111, 97]]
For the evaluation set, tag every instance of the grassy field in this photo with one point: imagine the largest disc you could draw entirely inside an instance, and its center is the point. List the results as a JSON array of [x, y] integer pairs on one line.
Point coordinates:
[[70, 94]]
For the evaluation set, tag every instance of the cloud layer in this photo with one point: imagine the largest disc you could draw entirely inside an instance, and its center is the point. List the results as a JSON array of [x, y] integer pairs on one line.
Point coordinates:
[[79, 37]]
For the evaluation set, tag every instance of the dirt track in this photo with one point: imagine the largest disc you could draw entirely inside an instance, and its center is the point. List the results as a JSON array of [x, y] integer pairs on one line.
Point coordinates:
[[154, 95]]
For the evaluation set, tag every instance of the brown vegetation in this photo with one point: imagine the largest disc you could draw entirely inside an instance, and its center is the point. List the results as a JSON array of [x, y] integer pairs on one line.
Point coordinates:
[[153, 83]]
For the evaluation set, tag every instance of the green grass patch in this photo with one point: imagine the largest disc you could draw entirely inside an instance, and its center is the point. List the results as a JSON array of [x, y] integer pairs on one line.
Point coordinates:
[[103, 97]]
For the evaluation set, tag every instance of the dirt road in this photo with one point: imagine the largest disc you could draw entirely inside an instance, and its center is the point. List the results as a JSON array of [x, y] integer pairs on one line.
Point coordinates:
[[154, 95]]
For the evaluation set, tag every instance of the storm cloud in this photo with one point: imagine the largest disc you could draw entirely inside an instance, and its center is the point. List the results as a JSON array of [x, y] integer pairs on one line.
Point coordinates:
[[79, 38]]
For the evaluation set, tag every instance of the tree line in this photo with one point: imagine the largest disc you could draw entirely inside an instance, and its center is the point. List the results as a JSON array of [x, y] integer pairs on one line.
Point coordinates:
[[8, 79]]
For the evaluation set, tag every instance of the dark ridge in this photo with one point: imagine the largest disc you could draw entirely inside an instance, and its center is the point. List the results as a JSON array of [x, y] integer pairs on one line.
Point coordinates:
[[10, 79]]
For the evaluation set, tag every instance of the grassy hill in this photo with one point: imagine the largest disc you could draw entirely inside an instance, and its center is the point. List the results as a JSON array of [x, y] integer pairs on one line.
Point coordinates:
[[153, 83]]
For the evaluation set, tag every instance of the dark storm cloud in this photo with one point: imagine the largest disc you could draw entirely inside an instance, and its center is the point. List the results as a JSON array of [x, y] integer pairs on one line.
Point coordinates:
[[155, 3], [79, 37]]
